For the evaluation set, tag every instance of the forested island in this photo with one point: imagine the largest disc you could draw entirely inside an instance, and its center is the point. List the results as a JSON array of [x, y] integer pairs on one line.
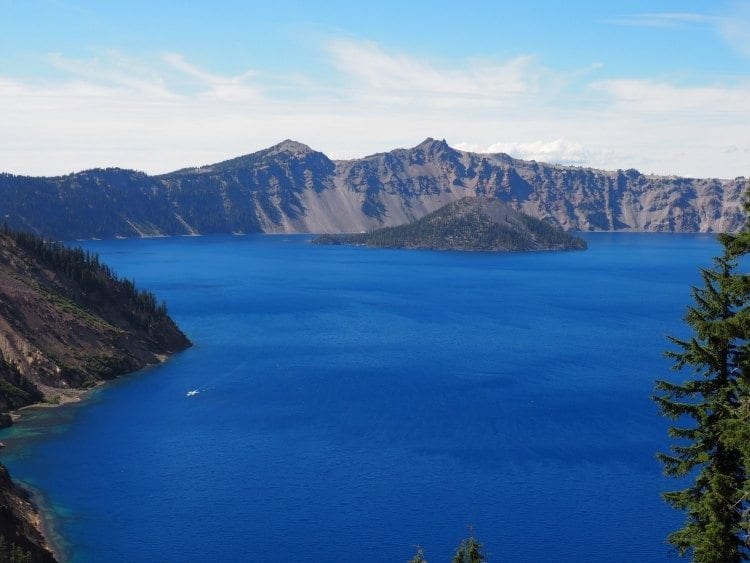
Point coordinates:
[[67, 322], [472, 223]]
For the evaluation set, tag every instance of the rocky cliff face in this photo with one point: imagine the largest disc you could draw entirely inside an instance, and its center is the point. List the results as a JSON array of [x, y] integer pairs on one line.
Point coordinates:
[[292, 188], [67, 323], [403, 185], [19, 525]]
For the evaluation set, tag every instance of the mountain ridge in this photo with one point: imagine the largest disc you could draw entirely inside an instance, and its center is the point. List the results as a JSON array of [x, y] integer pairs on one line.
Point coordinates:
[[292, 188]]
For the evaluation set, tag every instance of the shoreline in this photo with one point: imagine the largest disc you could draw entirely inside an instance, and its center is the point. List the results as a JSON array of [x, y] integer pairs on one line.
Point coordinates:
[[343, 233], [67, 397], [44, 519], [72, 395], [40, 512]]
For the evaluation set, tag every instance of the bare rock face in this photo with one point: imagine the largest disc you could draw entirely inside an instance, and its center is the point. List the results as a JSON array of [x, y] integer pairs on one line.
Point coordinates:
[[291, 188], [66, 323], [19, 525], [405, 184]]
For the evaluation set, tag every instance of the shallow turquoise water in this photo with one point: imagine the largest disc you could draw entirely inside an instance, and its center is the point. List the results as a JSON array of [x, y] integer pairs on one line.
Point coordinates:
[[356, 402]]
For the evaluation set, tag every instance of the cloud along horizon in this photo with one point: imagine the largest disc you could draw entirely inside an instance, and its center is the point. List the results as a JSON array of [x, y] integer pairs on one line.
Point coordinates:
[[163, 112]]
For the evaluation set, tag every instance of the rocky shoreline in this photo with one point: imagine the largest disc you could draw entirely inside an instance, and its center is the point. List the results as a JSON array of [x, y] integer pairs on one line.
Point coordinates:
[[22, 524], [67, 324], [21, 509]]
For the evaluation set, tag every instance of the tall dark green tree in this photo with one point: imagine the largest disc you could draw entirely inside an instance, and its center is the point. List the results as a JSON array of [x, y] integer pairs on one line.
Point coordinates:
[[707, 409], [470, 551], [736, 426]]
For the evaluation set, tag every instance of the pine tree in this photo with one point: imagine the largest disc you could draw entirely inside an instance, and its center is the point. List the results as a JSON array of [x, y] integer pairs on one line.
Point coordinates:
[[736, 427], [418, 556], [709, 448], [470, 551]]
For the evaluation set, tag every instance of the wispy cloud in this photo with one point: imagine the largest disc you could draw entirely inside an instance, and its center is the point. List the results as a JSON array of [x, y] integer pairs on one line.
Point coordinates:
[[222, 87], [654, 97], [731, 23], [400, 78], [113, 70], [559, 151], [735, 28], [167, 112], [169, 77], [736, 149], [665, 19]]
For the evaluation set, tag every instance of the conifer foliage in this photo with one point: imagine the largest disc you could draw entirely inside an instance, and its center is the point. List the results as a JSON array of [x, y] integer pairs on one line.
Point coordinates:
[[92, 276], [418, 556], [710, 410], [471, 223], [470, 551]]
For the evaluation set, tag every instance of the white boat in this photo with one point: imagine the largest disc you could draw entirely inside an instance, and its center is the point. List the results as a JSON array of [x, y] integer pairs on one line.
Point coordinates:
[[192, 393]]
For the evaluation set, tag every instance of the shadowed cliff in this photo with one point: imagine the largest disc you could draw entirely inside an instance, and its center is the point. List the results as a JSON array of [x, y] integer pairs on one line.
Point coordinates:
[[66, 323], [292, 188]]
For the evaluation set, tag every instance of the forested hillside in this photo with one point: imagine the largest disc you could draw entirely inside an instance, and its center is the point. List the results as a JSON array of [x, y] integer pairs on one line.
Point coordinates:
[[472, 223], [67, 322]]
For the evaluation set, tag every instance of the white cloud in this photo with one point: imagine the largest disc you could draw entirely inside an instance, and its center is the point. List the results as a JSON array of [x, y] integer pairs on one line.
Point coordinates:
[[167, 113], [735, 27], [400, 78], [113, 70], [649, 96], [732, 23], [559, 151], [664, 19], [222, 87], [734, 149]]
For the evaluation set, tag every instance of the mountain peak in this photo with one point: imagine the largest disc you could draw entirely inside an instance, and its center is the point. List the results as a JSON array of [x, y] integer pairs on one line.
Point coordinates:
[[286, 147], [431, 144], [290, 146]]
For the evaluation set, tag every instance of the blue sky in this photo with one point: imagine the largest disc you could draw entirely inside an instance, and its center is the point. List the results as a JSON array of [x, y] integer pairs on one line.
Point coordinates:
[[660, 86]]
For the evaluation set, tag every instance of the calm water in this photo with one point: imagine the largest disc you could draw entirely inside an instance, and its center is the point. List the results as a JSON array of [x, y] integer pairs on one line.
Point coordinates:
[[356, 402]]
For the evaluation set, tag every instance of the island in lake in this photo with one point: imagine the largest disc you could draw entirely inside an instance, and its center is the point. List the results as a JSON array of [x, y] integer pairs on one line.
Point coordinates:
[[66, 323], [472, 223]]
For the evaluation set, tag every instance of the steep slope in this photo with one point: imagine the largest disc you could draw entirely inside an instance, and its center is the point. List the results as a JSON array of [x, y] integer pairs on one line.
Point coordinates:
[[260, 192], [292, 188], [19, 525], [471, 223], [66, 323], [104, 203], [407, 183]]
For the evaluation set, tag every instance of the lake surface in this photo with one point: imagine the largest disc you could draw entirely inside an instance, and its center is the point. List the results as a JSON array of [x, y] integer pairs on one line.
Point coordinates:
[[356, 402]]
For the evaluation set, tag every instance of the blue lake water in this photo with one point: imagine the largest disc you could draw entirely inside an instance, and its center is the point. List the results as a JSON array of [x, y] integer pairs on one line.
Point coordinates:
[[356, 402]]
